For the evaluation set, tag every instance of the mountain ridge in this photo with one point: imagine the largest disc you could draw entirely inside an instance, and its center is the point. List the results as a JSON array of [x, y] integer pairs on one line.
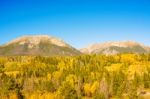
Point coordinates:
[[116, 47], [35, 39], [43, 45]]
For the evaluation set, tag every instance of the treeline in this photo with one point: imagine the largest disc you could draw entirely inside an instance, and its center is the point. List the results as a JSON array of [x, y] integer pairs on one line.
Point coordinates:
[[123, 76]]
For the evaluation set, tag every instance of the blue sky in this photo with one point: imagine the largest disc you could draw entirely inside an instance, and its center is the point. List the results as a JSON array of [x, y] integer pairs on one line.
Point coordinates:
[[78, 22]]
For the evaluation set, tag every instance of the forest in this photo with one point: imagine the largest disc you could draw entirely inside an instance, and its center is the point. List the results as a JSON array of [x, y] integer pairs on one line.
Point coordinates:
[[122, 76]]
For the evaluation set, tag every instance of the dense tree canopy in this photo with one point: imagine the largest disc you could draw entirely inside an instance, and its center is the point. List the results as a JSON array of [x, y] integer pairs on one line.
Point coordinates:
[[123, 76]]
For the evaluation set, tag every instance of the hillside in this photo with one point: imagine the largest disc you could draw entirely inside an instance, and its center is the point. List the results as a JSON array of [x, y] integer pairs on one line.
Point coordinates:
[[37, 45]]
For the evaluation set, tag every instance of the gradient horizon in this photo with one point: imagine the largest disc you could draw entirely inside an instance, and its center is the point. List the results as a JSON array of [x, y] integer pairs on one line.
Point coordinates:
[[78, 22]]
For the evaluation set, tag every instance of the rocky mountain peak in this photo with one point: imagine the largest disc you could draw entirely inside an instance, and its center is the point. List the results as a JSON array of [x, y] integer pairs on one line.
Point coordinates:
[[42, 45], [36, 39], [115, 47]]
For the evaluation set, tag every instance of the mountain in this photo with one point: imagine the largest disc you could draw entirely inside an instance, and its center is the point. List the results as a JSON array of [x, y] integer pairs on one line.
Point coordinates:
[[110, 48], [37, 45]]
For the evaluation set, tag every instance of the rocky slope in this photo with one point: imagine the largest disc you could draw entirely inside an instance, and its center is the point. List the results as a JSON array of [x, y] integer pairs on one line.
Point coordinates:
[[37, 45], [110, 48]]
